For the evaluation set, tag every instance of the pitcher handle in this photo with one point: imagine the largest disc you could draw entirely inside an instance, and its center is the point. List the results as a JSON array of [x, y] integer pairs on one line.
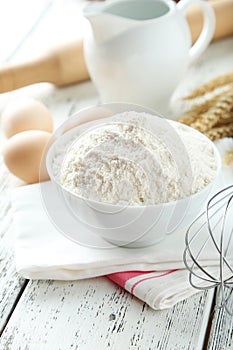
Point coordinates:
[[208, 27]]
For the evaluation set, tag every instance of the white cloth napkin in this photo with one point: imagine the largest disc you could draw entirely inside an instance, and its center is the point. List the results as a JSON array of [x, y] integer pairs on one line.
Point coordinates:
[[154, 274]]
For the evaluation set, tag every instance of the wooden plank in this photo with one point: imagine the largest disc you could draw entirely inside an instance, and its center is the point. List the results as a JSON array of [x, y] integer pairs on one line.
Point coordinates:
[[11, 284], [75, 315], [17, 19], [62, 105], [221, 335], [57, 315]]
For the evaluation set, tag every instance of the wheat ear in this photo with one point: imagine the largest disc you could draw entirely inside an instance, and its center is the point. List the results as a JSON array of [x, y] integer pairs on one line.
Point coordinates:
[[220, 112], [220, 132], [211, 86]]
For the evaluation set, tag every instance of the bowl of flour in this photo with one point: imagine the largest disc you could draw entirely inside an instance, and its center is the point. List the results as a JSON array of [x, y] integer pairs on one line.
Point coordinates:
[[131, 176]]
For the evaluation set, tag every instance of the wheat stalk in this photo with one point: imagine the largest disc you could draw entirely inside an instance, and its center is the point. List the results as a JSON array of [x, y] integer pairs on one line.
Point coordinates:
[[211, 85]]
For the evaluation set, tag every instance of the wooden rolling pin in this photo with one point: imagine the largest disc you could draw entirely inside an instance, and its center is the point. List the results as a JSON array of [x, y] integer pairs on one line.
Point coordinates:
[[224, 19], [66, 64], [62, 66]]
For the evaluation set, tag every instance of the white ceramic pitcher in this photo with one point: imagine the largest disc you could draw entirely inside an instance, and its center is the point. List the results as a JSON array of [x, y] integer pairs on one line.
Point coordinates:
[[138, 50]]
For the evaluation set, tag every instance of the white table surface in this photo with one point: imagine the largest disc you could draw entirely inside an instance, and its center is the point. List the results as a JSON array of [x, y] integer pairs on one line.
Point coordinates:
[[54, 315]]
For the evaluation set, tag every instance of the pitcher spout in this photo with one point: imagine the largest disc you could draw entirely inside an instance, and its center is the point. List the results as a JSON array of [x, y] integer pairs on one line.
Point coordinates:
[[106, 26]]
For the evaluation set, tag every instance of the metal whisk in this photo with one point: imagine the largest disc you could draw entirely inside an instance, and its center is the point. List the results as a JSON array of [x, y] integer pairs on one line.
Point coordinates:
[[212, 230]]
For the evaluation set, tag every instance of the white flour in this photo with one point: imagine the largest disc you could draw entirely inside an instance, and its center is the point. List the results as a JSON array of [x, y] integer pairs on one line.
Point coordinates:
[[136, 159]]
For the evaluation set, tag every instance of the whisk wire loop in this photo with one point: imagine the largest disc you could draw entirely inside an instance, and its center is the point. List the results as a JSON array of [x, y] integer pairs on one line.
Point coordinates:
[[212, 229]]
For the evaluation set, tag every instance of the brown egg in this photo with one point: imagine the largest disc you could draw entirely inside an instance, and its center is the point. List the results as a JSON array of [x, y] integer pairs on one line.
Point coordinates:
[[23, 154], [26, 114]]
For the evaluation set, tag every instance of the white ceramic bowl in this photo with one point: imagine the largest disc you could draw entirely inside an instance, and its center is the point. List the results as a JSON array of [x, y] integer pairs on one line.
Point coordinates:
[[130, 226]]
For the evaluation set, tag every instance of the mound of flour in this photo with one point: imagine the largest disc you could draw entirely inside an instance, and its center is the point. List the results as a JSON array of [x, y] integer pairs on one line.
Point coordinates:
[[135, 159]]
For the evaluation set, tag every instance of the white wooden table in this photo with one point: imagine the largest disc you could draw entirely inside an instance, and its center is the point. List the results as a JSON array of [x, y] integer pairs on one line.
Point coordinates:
[[53, 315]]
